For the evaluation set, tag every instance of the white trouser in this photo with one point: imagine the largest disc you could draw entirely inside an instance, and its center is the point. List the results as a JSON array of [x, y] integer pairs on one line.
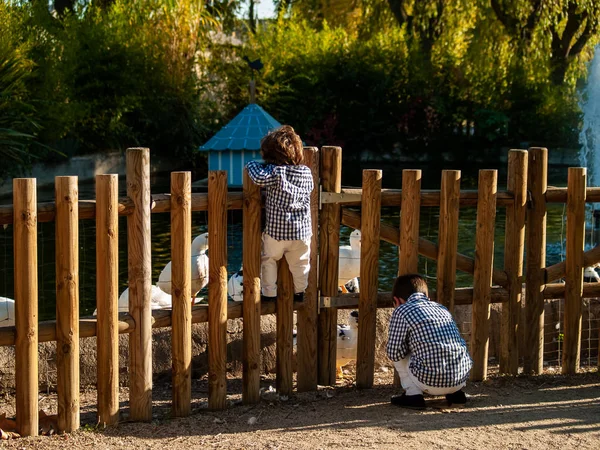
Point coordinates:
[[413, 386], [297, 254]]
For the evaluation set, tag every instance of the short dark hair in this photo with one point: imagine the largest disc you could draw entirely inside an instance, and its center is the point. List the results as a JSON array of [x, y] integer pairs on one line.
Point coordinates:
[[282, 147], [409, 284]]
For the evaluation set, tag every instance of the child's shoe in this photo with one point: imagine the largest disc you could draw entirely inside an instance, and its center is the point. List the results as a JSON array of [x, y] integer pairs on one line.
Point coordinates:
[[299, 297], [264, 298], [456, 398], [409, 401]]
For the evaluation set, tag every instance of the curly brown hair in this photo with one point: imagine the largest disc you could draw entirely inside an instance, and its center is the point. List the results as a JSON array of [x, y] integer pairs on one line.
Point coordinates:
[[282, 147]]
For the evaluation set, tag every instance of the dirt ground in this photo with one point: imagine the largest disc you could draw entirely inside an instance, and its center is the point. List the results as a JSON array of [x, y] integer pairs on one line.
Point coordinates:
[[544, 412]]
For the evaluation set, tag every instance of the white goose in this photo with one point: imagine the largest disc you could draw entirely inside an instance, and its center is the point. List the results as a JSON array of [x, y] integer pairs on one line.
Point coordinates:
[[158, 300], [7, 312], [199, 264], [350, 261]]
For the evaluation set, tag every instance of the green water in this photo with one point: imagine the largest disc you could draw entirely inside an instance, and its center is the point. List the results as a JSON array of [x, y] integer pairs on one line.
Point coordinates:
[[161, 238]]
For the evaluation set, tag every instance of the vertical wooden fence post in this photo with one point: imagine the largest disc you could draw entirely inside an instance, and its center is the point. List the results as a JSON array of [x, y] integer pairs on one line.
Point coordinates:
[[484, 264], [217, 289], [139, 257], [448, 238], [537, 182], [67, 302], [308, 315], [410, 216], [329, 237], [369, 277], [107, 294], [574, 278], [251, 304], [408, 256], [181, 291], [514, 245], [285, 328], [26, 304]]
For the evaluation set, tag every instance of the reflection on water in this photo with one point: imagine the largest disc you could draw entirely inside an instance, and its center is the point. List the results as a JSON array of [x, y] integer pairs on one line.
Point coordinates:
[[161, 241]]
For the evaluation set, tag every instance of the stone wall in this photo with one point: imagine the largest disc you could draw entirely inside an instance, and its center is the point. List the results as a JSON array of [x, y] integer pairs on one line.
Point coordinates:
[[161, 349]]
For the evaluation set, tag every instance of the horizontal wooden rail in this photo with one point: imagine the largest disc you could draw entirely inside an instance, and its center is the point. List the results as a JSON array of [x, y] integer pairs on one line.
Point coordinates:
[[427, 248], [559, 270], [161, 203], [462, 296], [557, 290], [162, 318], [559, 194], [393, 197]]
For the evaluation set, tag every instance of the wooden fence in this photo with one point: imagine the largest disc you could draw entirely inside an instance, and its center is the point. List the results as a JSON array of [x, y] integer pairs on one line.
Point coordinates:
[[524, 203]]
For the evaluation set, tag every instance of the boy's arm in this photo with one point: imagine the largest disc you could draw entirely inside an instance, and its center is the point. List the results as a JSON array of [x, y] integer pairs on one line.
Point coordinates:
[[397, 346], [262, 174]]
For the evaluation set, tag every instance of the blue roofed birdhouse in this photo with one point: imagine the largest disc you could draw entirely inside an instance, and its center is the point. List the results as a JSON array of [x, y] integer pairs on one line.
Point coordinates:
[[238, 142]]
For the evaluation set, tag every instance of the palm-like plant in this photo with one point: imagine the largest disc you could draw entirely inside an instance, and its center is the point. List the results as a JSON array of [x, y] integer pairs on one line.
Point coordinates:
[[17, 128]]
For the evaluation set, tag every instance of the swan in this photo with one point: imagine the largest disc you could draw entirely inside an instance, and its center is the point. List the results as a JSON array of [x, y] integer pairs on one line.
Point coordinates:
[[349, 266], [7, 312], [158, 300], [199, 263]]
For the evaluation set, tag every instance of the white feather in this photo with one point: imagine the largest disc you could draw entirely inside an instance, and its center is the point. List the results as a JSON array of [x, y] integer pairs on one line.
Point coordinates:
[[199, 267], [7, 312], [158, 300], [235, 286], [349, 267], [590, 275]]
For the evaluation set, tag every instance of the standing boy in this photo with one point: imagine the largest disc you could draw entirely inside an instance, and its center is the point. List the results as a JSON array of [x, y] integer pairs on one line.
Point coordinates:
[[426, 347], [289, 184]]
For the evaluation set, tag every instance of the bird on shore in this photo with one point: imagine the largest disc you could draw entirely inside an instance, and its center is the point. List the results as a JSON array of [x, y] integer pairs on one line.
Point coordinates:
[[7, 312], [349, 266], [590, 275], [199, 267], [346, 343], [235, 286]]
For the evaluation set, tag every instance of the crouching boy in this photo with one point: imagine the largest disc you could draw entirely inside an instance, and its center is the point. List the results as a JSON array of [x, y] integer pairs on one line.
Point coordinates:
[[426, 347]]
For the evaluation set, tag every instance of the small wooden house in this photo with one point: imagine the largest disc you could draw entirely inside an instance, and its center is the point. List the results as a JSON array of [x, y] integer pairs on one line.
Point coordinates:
[[239, 142]]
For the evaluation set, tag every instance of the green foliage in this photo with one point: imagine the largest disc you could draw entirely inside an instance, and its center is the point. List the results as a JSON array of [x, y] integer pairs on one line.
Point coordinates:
[[446, 75], [18, 127], [376, 75], [124, 75], [380, 93]]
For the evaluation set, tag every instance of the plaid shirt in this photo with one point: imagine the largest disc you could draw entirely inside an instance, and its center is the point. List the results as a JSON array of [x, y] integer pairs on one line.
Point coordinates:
[[288, 199], [425, 331]]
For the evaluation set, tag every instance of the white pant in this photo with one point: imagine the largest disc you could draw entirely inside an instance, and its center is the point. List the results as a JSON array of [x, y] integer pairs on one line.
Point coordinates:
[[297, 254], [413, 386]]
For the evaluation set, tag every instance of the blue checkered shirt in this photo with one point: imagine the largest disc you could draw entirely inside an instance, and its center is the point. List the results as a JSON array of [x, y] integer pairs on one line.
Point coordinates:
[[288, 199], [426, 332]]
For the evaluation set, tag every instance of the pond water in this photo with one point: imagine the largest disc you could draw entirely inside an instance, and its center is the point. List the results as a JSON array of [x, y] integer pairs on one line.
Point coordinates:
[[161, 236]]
